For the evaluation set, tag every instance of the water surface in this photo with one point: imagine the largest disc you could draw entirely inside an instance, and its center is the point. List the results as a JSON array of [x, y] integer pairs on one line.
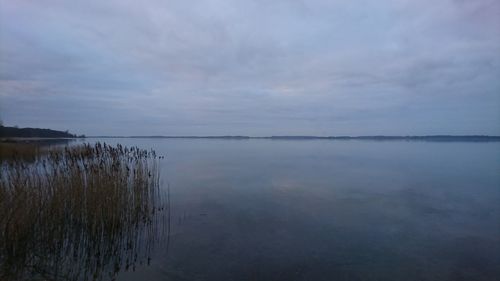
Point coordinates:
[[327, 210]]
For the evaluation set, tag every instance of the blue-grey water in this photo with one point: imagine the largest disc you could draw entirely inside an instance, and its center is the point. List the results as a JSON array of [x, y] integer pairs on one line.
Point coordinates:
[[327, 210]]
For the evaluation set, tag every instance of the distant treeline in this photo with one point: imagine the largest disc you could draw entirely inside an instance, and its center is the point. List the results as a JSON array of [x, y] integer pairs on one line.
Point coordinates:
[[471, 138], [388, 138], [14, 132]]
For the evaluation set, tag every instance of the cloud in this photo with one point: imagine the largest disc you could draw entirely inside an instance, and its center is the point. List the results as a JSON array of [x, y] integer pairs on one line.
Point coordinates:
[[251, 67]]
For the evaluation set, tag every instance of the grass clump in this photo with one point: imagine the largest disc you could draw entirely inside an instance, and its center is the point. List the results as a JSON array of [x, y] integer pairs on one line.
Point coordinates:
[[81, 212]]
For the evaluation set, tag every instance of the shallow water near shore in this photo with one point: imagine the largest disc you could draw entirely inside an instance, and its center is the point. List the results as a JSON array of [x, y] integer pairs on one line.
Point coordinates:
[[326, 210]]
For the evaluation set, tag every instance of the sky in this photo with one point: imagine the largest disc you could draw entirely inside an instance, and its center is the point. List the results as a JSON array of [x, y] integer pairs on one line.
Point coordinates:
[[229, 67]]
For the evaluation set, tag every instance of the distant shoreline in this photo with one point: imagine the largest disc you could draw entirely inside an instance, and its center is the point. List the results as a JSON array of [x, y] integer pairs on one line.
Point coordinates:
[[470, 138], [15, 132]]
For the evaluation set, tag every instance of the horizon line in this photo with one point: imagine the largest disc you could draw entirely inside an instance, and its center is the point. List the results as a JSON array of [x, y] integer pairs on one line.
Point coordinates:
[[387, 137]]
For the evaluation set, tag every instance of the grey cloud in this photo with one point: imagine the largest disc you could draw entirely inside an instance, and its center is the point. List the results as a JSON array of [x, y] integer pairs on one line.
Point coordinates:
[[251, 67]]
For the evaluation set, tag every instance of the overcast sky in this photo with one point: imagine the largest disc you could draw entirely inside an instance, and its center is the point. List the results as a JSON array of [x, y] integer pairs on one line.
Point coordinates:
[[226, 67]]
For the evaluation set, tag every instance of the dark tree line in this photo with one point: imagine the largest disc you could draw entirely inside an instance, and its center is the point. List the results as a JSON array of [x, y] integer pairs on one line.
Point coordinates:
[[15, 132]]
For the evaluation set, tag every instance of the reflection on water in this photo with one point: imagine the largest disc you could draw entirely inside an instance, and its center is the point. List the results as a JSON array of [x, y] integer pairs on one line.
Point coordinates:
[[83, 213], [329, 210]]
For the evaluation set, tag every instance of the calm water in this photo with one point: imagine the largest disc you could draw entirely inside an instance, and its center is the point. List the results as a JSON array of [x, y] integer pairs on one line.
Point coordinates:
[[327, 210]]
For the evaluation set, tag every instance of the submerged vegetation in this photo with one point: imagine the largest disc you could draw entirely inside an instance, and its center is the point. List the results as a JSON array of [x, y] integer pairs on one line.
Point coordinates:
[[81, 212]]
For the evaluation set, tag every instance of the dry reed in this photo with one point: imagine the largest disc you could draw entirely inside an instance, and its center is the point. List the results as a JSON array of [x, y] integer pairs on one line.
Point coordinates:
[[79, 213]]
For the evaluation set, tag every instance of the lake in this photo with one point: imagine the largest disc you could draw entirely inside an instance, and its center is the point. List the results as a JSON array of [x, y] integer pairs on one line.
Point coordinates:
[[327, 210]]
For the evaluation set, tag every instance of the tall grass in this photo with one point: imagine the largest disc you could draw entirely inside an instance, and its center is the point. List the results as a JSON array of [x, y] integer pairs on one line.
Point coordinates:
[[10, 151], [28, 149], [79, 213]]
